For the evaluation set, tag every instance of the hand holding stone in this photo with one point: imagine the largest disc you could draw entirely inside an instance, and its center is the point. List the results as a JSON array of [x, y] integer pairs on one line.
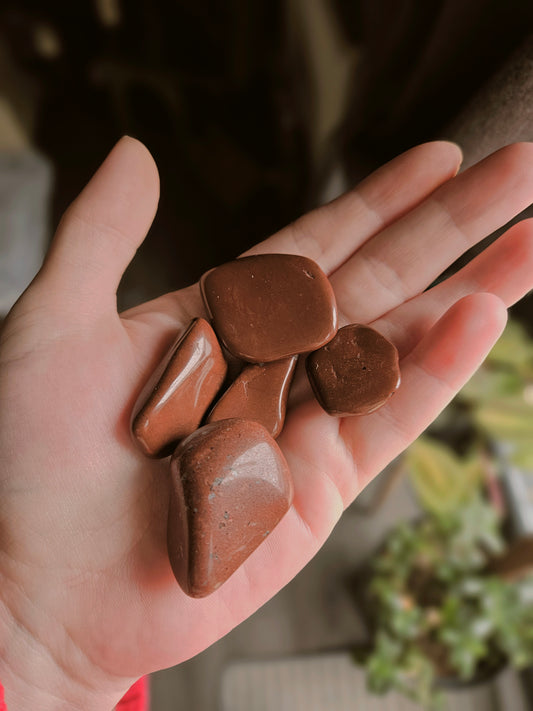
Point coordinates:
[[89, 601]]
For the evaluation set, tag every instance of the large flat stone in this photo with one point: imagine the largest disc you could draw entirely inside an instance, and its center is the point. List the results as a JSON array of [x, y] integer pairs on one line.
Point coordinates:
[[230, 486], [270, 306]]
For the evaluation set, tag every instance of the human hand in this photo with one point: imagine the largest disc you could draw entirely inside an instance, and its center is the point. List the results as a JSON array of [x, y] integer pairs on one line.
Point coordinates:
[[88, 602]]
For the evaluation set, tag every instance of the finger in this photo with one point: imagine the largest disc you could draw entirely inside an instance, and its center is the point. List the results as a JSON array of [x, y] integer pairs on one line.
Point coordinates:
[[505, 269], [101, 230], [432, 374], [403, 259], [331, 233]]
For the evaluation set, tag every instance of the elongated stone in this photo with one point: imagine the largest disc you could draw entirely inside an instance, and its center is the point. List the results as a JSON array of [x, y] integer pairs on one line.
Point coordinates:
[[270, 306], [259, 393], [180, 391], [230, 486], [355, 373]]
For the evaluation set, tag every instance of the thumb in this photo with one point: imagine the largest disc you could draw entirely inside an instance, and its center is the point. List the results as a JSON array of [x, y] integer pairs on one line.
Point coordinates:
[[101, 231]]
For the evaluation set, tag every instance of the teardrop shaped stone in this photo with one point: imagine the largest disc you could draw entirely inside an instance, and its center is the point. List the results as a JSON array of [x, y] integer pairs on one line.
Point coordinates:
[[180, 391], [269, 306], [259, 393], [230, 486], [355, 373]]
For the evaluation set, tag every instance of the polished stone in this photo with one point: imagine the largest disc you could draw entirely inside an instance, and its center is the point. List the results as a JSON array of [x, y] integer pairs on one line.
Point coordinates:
[[355, 373], [230, 486], [180, 391], [259, 393], [270, 306]]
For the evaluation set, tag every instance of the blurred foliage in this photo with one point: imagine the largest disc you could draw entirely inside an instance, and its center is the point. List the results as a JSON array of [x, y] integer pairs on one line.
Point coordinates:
[[442, 479], [438, 611], [493, 413], [499, 397]]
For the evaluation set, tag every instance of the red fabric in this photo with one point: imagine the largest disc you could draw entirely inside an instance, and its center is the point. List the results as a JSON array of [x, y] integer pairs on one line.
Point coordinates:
[[136, 699]]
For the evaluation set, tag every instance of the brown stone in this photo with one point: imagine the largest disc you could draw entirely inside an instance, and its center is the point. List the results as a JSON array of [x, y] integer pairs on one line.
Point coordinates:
[[259, 393], [230, 486], [180, 391], [270, 306], [355, 373]]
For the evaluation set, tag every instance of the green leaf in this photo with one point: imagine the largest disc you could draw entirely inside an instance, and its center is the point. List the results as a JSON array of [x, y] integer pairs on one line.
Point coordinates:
[[513, 350], [522, 455], [509, 419], [488, 384], [442, 480], [382, 665]]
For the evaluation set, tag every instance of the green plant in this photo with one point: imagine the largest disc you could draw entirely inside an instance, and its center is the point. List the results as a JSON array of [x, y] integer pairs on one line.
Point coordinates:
[[442, 479], [496, 405], [437, 610]]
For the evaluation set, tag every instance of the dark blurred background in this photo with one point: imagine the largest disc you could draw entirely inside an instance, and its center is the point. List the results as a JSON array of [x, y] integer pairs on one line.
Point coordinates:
[[253, 110]]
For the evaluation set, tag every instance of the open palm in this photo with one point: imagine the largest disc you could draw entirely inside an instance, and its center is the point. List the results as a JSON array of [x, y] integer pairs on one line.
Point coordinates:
[[88, 602]]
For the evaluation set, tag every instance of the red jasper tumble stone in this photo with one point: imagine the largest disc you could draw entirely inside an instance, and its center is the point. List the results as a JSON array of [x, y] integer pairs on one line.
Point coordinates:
[[180, 391], [259, 393], [230, 486], [269, 306], [355, 373]]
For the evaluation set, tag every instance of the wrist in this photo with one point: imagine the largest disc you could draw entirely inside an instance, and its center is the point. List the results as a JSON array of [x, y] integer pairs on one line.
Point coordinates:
[[22, 692], [34, 678]]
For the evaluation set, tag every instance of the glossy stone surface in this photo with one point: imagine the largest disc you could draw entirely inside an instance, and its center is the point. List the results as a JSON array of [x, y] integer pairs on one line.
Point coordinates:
[[259, 393], [230, 486], [355, 373], [270, 306], [180, 391]]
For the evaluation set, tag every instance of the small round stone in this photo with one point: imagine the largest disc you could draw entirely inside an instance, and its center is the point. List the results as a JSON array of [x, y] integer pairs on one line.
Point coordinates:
[[355, 373]]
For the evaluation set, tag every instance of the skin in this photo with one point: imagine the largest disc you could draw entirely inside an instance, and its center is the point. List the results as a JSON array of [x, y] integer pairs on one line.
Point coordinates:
[[88, 602]]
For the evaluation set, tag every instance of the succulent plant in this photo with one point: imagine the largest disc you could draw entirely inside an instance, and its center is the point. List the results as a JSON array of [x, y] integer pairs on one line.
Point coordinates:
[[437, 610], [441, 607]]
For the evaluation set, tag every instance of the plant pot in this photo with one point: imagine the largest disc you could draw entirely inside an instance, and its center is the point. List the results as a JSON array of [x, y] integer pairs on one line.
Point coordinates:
[[485, 674], [422, 591]]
